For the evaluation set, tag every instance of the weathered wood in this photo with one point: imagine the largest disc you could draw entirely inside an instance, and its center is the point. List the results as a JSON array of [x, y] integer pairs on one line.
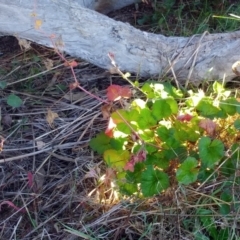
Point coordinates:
[[91, 36]]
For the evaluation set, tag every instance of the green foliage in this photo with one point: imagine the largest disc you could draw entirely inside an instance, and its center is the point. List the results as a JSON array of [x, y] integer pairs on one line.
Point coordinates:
[[184, 18], [14, 101], [210, 152], [187, 173], [153, 181], [169, 137]]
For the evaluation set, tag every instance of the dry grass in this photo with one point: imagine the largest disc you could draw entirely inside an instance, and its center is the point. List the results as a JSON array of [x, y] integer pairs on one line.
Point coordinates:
[[67, 198]]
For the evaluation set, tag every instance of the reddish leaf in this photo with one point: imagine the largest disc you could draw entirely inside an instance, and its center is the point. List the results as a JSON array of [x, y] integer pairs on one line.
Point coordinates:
[[138, 157], [113, 92], [130, 166], [116, 92], [186, 117], [209, 126], [126, 92], [10, 204], [72, 63], [110, 127], [30, 179]]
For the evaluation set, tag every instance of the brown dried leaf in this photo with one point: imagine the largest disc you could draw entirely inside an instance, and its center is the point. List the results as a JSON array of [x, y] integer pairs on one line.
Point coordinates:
[[24, 44], [106, 111], [48, 63], [209, 126], [51, 116]]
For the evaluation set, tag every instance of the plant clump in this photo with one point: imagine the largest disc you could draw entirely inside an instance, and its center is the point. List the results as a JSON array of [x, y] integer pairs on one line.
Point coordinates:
[[169, 138]]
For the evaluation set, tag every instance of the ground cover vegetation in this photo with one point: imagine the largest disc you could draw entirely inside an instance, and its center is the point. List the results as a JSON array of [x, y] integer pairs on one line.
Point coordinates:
[[90, 155]]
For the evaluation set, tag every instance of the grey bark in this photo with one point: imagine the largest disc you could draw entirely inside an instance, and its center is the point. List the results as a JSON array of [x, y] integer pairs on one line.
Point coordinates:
[[84, 33]]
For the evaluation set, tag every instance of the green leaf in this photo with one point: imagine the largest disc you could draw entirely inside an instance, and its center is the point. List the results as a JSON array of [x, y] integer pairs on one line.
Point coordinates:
[[116, 159], [157, 159], [237, 124], [153, 181], [100, 143], [117, 144], [218, 88], [208, 221], [147, 135], [187, 173], [146, 120], [123, 128], [135, 177], [206, 108], [229, 106], [206, 174], [167, 135], [210, 152], [173, 105], [119, 116], [225, 208], [3, 84], [14, 101], [161, 109], [172, 91], [187, 131]]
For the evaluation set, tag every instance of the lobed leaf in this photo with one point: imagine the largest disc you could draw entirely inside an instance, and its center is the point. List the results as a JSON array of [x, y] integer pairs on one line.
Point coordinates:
[[153, 181]]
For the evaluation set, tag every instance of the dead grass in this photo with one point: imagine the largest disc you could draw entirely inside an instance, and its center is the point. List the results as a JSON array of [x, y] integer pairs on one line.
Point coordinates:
[[66, 199]]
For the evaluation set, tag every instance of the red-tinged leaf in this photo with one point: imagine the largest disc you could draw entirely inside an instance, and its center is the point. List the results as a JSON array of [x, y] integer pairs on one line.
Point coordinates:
[[72, 63], [10, 204], [30, 179], [185, 118], [116, 92], [129, 166], [126, 92], [110, 127], [140, 156], [209, 126], [113, 92]]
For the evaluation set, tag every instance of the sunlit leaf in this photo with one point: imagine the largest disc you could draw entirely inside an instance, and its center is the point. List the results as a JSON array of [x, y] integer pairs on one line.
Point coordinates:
[[153, 181], [161, 109], [146, 120], [116, 159], [210, 151], [229, 106], [188, 171], [100, 143]]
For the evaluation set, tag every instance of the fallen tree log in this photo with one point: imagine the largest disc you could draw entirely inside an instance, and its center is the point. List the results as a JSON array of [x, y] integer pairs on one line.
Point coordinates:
[[84, 33]]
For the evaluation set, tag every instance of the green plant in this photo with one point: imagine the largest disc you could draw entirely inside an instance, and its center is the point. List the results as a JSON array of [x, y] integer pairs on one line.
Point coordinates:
[[12, 100], [169, 138], [184, 18]]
